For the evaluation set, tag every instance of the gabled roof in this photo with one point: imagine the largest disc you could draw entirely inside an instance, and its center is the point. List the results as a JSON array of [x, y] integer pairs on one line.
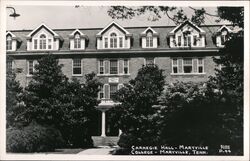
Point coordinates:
[[13, 36], [224, 27], [43, 25], [149, 29], [79, 32], [113, 23], [177, 28]]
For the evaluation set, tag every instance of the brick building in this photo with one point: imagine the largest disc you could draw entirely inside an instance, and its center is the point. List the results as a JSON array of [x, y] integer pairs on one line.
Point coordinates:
[[116, 53]]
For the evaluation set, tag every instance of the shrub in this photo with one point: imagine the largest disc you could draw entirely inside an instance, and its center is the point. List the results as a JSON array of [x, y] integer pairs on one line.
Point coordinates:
[[33, 138]]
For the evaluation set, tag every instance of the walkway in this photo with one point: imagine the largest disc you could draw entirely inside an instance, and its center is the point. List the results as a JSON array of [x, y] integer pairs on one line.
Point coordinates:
[[97, 151]]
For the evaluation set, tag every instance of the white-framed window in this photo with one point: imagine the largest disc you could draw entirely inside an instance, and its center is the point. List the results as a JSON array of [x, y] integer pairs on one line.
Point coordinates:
[[113, 69], [200, 65], [42, 41], [101, 92], [125, 66], [77, 67], [149, 39], [113, 40], [77, 41], [101, 66], [35, 44], [195, 40], [49, 43], [121, 42], [187, 65], [175, 65], [187, 40], [190, 40], [113, 89], [31, 66], [9, 43], [106, 42], [149, 61]]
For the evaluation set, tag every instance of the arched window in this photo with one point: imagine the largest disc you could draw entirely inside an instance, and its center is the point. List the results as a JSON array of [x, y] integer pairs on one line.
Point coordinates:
[[42, 41], [113, 40], [8, 43], [149, 39], [77, 41]]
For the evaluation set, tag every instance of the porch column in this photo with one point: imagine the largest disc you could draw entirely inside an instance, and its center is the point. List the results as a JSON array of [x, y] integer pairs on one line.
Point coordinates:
[[103, 124]]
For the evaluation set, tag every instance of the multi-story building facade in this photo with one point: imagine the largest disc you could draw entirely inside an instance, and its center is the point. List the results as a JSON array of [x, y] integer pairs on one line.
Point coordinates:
[[115, 53]]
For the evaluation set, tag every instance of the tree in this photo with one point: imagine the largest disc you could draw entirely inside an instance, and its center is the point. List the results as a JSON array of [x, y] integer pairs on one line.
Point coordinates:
[[51, 99], [80, 100], [41, 97], [135, 115], [13, 98], [191, 114]]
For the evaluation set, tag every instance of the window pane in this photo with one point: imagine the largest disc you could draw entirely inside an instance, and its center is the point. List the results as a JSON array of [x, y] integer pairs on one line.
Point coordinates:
[[106, 42], [200, 69], [77, 66], [187, 61], [30, 67], [187, 69], [125, 66], [195, 41], [174, 61], [113, 67], [35, 44], [113, 89], [200, 61], [179, 41], [175, 70], [121, 42]]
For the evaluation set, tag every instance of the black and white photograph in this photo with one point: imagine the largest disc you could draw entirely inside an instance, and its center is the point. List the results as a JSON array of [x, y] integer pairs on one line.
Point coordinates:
[[138, 80]]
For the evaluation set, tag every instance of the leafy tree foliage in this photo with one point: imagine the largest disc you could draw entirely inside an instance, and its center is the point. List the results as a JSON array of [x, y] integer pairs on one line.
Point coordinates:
[[135, 115], [42, 98], [80, 114], [195, 114], [51, 99], [232, 14], [13, 98]]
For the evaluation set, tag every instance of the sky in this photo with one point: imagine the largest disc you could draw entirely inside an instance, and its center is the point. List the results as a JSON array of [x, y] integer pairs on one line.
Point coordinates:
[[64, 17]]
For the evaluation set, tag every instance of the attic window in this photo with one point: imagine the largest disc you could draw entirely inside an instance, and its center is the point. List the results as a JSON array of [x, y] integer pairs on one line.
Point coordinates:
[[149, 39], [9, 43], [113, 40], [77, 41], [42, 41]]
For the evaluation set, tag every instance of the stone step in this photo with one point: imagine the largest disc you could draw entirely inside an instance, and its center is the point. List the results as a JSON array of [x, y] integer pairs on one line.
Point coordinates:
[[100, 141]]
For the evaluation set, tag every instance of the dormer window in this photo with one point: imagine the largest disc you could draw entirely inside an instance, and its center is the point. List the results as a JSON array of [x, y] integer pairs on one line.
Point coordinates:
[[113, 36], [43, 38], [9, 43], [149, 38], [222, 35], [77, 41], [187, 34]]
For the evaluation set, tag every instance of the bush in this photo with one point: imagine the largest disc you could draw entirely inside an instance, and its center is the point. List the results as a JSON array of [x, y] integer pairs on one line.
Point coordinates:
[[33, 138]]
